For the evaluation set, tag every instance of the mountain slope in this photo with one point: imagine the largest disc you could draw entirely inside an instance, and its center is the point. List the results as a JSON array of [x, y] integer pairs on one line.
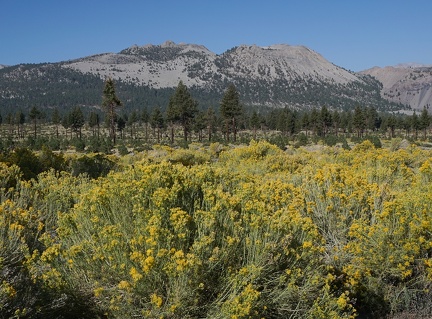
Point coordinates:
[[409, 84], [275, 76]]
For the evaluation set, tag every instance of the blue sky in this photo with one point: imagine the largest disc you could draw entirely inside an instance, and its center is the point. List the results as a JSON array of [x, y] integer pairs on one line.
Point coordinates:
[[352, 34]]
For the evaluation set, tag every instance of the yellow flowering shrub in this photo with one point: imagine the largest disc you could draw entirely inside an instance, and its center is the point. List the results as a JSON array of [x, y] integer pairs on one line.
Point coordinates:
[[246, 232]]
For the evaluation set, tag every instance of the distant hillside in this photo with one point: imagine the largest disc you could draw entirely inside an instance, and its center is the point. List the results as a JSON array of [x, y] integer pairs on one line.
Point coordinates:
[[274, 76], [409, 84], [52, 85]]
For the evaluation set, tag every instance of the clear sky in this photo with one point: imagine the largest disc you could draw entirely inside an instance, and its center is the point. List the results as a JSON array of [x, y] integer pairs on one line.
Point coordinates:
[[354, 34]]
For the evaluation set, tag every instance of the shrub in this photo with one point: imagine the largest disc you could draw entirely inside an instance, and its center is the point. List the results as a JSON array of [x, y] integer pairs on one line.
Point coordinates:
[[94, 166], [301, 140], [122, 149], [374, 140], [258, 232], [50, 160], [331, 140], [27, 161]]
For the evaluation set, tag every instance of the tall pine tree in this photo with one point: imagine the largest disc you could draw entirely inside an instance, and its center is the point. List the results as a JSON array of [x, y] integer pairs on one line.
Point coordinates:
[[424, 121], [182, 109], [111, 102], [231, 109]]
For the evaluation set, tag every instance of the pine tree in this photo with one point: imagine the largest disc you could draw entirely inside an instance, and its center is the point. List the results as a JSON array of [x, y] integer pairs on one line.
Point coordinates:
[[231, 109], [133, 118], [157, 122], [326, 120], [182, 109], [336, 119], [391, 123], [415, 124], [305, 122], [121, 124], [34, 115], [314, 121], [372, 119], [359, 120], [200, 124], [254, 122], [76, 120], [211, 120], [145, 117], [56, 119], [94, 122], [424, 121], [20, 120], [110, 102]]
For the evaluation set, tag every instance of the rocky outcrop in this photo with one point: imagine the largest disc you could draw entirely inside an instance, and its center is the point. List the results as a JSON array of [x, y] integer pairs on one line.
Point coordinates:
[[409, 84]]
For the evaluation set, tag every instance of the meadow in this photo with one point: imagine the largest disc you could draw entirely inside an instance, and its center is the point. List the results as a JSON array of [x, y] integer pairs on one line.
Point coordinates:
[[216, 231]]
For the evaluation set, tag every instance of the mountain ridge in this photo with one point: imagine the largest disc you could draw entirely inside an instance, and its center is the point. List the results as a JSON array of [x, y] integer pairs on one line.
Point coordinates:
[[279, 75], [141, 62]]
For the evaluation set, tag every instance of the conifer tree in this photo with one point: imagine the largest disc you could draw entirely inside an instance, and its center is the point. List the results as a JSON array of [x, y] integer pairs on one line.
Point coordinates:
[[200, 124], [415, 124], [121, 124], [76, 120], [34, 115], [305, 122], [182, 109], [20, 120], [211, 120], [359, 120], [254, 122], [157, 122], [314, 121], [325, 119], [424, 121], [336, 119], [94, 122], [110, 102], [231, 109], [56, 119], [133, 118], [391, 124], [145, 117]]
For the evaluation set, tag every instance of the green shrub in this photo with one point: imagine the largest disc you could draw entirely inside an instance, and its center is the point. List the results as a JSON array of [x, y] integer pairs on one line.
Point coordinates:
[[331, 140], [122, 149], [27, 161], [301, 140], [94, 166]]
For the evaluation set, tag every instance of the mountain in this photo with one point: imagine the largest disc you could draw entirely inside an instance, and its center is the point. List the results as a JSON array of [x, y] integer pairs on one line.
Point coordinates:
[[274, 76], [409, 84]]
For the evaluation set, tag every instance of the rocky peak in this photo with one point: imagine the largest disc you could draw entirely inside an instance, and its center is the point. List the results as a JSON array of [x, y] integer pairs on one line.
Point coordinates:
[[408, 83], [287, 62]]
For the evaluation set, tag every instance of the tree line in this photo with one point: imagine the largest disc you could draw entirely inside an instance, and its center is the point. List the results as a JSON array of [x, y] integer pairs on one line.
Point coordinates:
[[182, 114]]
